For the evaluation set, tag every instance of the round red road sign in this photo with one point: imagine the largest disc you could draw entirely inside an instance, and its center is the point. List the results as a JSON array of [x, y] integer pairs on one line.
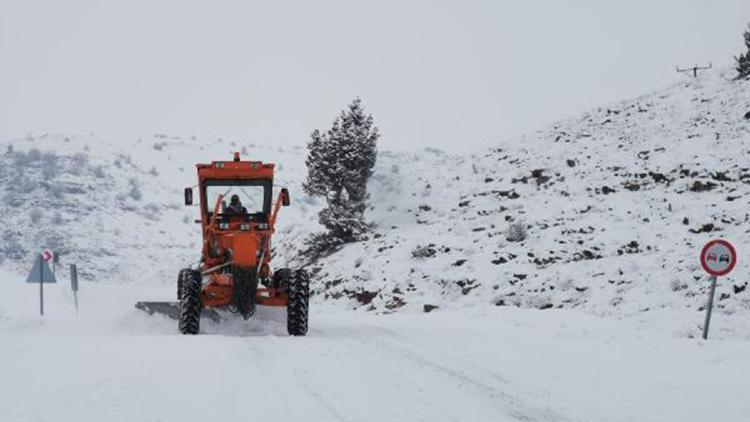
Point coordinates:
[[718, 257]]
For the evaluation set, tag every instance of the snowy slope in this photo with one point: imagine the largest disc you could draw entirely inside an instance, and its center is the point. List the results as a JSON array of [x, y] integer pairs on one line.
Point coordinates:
[[617, 203], [114, 206]]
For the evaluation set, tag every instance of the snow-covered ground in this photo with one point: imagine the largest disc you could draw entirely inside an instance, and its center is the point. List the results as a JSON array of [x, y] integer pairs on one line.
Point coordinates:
[[616, 202], [114, 363], [594, 316]]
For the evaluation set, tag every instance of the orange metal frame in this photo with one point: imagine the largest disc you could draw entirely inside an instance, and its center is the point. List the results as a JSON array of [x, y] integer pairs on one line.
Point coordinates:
[[244, 244]]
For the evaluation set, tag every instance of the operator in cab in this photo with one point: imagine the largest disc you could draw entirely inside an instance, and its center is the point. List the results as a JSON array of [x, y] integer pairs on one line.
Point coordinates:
[[235, 207]]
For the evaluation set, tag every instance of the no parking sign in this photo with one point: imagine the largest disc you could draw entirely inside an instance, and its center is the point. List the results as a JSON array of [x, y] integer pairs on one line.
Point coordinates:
[[718, 258]]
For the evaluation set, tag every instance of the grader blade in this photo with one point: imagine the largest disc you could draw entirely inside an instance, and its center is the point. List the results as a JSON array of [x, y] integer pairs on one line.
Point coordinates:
[[172, 310]]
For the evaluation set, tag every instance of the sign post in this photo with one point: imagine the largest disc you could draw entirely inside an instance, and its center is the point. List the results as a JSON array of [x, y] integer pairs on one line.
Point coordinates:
[[74, 284], [41, 274], [718, 258], [709, 307]]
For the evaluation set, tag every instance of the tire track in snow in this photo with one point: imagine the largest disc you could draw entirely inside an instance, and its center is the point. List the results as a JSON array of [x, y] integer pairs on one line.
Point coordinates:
[[405, 388], [344, 381], [326, 403], [393, 344], [281, 378], [388, 394], [362, 372]]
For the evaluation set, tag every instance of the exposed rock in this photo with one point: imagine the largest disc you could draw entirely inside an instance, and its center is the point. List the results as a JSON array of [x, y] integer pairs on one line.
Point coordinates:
[[364, 297], [698, 186], [424, 251], [706, 228]]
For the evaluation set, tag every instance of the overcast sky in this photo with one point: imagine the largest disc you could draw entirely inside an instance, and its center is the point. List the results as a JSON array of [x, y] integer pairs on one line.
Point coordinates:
[[448, 74]]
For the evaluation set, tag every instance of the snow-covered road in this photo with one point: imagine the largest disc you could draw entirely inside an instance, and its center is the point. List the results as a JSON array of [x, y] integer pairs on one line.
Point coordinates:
[[347, 369], [114, 363]]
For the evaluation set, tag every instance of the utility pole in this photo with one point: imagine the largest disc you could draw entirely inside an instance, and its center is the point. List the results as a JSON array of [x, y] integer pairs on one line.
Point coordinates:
[[694, 70]]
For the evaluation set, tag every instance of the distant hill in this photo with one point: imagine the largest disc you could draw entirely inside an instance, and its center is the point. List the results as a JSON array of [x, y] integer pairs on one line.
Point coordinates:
[[615, 204]]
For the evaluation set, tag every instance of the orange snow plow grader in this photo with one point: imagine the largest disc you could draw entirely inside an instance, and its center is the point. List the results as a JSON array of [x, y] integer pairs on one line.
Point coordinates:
[[238, 218]]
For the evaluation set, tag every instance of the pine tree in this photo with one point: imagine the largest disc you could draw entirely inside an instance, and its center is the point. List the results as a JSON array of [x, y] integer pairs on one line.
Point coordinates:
[[339, 164], [743, 60]]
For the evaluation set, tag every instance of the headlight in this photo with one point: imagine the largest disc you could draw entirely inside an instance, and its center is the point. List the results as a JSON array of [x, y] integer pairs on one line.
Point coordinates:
[[262, 226], [223, 226], [244, 227]]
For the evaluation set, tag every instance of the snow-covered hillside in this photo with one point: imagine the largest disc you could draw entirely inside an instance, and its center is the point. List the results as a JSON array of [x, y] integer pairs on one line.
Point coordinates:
[[601, 215], [616, 204], [114, 205]]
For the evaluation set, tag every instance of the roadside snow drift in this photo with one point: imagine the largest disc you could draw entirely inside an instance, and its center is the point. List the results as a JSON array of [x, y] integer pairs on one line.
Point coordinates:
[[114, 363]]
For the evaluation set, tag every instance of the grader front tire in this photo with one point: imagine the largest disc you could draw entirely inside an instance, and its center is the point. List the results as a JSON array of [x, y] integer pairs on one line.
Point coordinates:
[[190, 301]]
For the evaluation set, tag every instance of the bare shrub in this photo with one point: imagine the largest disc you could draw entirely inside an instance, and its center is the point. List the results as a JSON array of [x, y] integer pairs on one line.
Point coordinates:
[[99, 172], [50, 167], [135, 190], [78, 163], [36, 215], [33, 155], [57, 190], [80, 159], [677, 285], [516, 232]]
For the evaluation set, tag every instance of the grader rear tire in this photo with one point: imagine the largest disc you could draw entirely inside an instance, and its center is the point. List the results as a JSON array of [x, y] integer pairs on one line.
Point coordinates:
[[299, 303], [190, 301]]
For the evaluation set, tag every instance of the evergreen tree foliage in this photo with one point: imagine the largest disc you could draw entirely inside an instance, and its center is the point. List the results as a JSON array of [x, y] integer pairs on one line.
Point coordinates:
[[339, 164], [743, 60]]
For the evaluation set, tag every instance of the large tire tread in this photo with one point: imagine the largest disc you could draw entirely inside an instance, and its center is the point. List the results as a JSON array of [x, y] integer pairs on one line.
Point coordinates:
[[245, 286], [282, 278], [297, 309], [190, 301]]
